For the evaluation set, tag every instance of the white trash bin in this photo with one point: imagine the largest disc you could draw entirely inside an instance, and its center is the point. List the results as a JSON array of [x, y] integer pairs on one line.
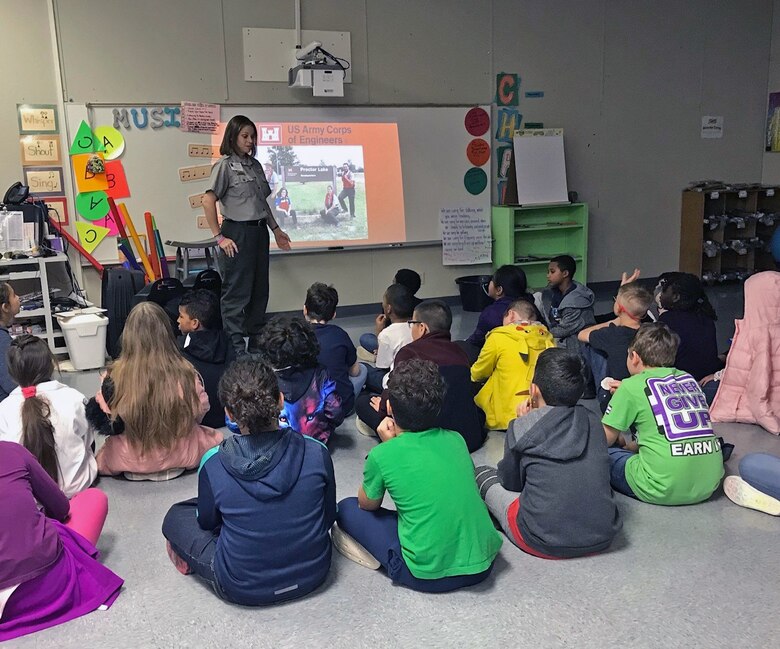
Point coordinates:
[[85, 337]]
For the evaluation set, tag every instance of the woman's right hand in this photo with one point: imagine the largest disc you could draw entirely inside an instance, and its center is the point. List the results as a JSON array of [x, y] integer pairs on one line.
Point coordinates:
[[228, 246]]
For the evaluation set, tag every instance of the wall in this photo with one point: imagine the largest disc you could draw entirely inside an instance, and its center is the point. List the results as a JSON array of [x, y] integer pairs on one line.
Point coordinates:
[[628, 80], [27, 78]]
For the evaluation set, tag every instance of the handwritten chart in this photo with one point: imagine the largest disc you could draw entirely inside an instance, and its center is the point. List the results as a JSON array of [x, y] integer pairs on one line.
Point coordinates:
[[465, 236]]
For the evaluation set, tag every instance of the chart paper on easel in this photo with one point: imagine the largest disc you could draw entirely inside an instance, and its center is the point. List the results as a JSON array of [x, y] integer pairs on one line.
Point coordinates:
[[540, 166]]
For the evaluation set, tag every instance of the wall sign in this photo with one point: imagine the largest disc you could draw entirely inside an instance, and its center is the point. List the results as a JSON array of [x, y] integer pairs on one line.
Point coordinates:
[[155, 117]]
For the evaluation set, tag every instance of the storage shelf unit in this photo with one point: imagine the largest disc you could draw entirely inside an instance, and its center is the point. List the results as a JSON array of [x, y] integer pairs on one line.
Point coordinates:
[[530, 236], [27, 275], [724, 234]]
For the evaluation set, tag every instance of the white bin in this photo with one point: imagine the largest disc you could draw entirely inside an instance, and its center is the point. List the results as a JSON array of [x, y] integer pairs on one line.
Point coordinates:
[[85, 337]]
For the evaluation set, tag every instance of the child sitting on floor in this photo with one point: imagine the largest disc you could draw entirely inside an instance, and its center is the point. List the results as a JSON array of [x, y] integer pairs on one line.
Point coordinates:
[[9, 309], [441, 537], [676, 459], [555, 454], [47, 417], [685, 309], [507, 285], [568, 305], [412, 281], [312, 405], [337, 353], [205, 344], [430, 326], [391, 332], [608, 342], [506, 363], [258, 530], [155, 401], [49, 573]]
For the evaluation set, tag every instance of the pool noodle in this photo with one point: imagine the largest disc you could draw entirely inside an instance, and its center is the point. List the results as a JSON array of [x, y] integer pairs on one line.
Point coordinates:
[[137, 241]]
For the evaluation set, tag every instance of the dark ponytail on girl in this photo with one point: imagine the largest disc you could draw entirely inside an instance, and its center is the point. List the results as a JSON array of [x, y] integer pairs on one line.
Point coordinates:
[[31, 362], [684, 292]]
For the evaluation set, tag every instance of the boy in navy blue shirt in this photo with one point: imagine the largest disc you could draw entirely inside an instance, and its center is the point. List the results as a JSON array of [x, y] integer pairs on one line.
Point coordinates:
[[337, 352]]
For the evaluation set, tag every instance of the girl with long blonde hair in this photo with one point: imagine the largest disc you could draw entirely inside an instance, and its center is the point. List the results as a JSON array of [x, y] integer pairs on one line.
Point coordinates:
[[155, 400]]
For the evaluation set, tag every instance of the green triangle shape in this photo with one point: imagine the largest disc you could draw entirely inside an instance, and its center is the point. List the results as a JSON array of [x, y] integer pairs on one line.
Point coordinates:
[[85, 141]]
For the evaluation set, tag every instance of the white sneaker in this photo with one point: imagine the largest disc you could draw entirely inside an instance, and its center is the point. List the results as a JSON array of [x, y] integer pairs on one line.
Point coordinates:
[[364, 429], [745, 495], [351, 549]]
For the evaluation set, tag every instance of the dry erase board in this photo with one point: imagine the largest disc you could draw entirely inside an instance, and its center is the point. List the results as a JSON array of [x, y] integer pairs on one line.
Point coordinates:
[[406, 164]]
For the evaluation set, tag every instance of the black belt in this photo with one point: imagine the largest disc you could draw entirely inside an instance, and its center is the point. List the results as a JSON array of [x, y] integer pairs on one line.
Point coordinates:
[[252, 224]]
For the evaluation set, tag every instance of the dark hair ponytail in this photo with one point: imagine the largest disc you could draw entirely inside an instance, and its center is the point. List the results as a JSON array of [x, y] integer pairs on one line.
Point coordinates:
[[31, 362], [684, 292]]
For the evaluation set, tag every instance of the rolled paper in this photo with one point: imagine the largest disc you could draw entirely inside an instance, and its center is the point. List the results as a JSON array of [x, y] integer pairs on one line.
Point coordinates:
[[137, 241]]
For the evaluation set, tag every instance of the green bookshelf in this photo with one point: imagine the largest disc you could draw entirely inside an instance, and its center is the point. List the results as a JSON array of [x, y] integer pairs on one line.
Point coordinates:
[[529, 236]]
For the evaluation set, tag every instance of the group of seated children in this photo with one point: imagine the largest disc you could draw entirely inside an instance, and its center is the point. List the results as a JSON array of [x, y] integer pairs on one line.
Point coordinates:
[[428, 399]]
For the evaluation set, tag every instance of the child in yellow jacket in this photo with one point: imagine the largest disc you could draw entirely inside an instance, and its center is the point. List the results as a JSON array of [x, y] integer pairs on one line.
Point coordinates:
[[507, 363]]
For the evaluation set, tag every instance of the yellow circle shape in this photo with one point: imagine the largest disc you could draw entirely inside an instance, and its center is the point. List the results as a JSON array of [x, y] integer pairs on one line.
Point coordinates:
[[111, 139]]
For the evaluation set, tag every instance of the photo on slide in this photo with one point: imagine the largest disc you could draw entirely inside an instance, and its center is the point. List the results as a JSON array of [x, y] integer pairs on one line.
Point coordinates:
[[319, 192]]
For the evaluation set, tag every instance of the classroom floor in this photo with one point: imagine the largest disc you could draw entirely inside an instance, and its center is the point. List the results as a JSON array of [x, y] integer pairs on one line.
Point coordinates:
[[700, 576]]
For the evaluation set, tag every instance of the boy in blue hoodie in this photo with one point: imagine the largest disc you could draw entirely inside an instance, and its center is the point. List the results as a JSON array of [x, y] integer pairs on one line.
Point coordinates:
[[258, 530]]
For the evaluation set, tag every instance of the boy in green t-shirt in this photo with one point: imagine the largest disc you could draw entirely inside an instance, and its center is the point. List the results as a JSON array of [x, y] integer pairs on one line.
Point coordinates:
[[676, 458], [441, 537]]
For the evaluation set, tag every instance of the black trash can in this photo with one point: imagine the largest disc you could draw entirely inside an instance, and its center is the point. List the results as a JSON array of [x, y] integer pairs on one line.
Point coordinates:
[[473, 292]]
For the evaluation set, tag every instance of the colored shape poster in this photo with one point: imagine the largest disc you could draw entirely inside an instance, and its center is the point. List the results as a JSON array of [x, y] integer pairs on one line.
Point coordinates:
[[478, 152], [85, 141], [465, 236], [477, 122], [86, 180], [90, 235], [93, 206], [111, 140], [116, 180]]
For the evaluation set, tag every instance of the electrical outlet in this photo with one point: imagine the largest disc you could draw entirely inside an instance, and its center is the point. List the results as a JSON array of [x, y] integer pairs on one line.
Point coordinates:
[[202, 223]]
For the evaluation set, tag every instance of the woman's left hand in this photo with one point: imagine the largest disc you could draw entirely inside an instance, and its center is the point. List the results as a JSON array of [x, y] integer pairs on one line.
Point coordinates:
[[282, 240]]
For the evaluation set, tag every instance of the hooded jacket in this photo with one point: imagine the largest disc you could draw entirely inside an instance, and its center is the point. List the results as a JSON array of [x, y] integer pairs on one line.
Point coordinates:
[[573, 314], [274, 496], [557, 456], [749, 391], [210, 352], [312, 406], [507, 361]]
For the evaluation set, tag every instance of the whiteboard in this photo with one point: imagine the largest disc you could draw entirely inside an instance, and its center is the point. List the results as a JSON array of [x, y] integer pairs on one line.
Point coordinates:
[[433, 146], [540, 166]]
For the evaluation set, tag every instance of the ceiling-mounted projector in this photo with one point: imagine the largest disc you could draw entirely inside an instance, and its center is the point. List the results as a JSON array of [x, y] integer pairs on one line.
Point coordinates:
[[318, 70]]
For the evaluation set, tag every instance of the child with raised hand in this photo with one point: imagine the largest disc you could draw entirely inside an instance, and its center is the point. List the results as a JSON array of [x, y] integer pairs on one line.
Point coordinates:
[[312, 405], [258, 530], [9, 309], [441, 537], [337, 352], [47, 417], [205, 344], [155, 401], [551, 492], [686, 310], [676, 458], [507, 285], [49, 573], [608, 342], [568, 305], [507, 361]]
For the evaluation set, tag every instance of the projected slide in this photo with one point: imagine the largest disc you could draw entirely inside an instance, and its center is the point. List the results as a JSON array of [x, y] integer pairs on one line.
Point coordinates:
[[334, 183]]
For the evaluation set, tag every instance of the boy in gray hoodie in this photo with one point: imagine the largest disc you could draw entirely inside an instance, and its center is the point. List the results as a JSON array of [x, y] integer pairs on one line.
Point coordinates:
[[551, 492], [567, 305]]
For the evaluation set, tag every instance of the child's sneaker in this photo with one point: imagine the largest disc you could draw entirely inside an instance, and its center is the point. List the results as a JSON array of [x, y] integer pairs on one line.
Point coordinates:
[[364, 429], [158, 476], [351, 549], [744, 495], [364, 355], [180, 564]]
